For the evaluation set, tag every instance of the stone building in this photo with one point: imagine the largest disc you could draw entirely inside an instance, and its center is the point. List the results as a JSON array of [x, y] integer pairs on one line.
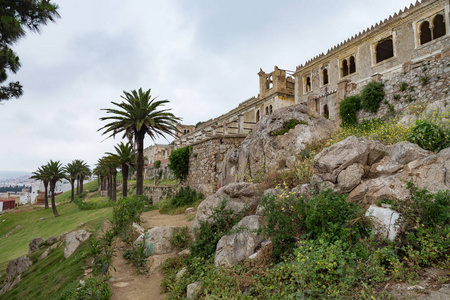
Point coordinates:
[[154, 153], [403, 42]]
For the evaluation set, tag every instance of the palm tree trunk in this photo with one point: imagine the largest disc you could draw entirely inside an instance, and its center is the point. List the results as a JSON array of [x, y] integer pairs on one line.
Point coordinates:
[[114, 185], [140, 163], [52, 189], [72, 182], [125, 180], [81, 183], [46, 194], [78, 184], [109, 185]]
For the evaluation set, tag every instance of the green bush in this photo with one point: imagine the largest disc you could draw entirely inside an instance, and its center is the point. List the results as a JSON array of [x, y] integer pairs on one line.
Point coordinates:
[[288, 126], [372, 95], [126, 211], [180, 238], [179, 162], [186, 196], [157, 164], [95, 288], [210, 232], [429, 136], [348, 109]]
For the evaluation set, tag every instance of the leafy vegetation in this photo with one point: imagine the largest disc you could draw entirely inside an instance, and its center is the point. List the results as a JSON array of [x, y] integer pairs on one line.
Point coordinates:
[[186, 196], [429, 136], [179, 162], [288, 126], [348, 109], [180, 238], [372, 95]]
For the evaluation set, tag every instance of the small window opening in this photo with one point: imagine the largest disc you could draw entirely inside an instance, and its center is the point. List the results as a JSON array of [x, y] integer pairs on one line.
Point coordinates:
[[344, 68], [352, 65], [267, 110], [384, 50], [324, 77], [326, 113], [271, 109], [269, 82], [185, 131], [425, 33], [438, 26], [188, 131], [308, 84], [257, 115], [317, 106]]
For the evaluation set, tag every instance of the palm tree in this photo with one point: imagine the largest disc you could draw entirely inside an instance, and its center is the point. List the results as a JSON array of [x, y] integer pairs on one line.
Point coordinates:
[[54, 172], [40, 174], [137, 116], [83, 171], [126, 157], [72, 169]]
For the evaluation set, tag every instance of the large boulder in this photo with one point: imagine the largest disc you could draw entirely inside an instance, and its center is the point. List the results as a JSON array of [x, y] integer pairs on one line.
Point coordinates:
[[349, 178], [239, 197], [384, 220], [17, 266], [263, 152], [74, 240], [234, 248], [157, 240], [34, 244]]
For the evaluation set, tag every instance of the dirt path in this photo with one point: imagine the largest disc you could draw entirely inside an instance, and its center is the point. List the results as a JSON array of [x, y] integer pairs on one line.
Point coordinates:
[[126, 284]]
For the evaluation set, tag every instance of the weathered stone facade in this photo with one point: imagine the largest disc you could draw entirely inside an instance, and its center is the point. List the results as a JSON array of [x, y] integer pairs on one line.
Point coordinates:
[[409, 46], [153, 154], [205, 160], [158, 192]]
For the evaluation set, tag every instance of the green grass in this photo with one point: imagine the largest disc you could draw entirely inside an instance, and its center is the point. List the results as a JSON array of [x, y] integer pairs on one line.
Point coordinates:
[[89, 186], [31, 226]]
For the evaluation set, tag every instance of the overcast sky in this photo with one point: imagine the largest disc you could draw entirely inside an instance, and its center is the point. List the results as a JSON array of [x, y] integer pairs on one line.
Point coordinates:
[[201, 55]]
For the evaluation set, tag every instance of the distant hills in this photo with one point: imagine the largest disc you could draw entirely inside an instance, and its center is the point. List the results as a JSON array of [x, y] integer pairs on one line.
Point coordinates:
[[13, 174]]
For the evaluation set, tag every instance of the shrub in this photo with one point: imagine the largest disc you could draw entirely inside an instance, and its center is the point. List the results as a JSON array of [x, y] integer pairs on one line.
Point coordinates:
[[186, 196], [403, 86], [348, 109], [429, 136], [210, 232], [102, 252], [180, 238], [138, 256], [157, 164], [372, 95], [95, 288], [125, 212], [179, 162], [288, 126]]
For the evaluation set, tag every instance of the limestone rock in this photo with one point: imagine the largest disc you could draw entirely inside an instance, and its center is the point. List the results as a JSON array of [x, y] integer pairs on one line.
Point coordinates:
[[17, 266], [137, 230], [180, 273], [158, 239], [51, 240], [239, 197], [236, 247], [385, 167], [405, 152], [74, 240], [341, 155], [349, 178], [44, 254], [9, 285], [34, 244], [154, 262], [193, 290], [384, 221]]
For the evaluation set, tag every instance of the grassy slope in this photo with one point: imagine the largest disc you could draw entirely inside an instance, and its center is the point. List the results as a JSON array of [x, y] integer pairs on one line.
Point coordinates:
[[31, 226]]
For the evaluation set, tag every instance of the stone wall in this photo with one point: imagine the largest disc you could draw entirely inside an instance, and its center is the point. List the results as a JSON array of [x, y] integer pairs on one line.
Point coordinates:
[[205, 160], [159, 192]]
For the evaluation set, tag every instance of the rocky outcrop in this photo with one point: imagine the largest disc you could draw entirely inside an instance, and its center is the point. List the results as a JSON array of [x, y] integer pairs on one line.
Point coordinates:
[[34, 244], [17, 266], [371, 171], [234, 248], [157, 240], [193, 290], [74, 240], [261, 151], [240, 197]]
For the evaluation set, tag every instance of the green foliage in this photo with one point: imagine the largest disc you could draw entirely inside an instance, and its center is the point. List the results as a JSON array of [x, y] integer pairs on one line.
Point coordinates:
[[180, 237], [186, 196], [403, 86], [102, 252], [198, 124], [210, 231], [326, 214], [157, 164], [127, 211], [348, 109], [138, 255], [179, 162], [424, 80], [372, 95], [95, 288], [288, 126], [88, 205], [429, 136]]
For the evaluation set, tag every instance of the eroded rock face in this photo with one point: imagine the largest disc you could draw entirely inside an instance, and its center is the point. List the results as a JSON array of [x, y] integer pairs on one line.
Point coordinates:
[[74, 240], [17, 266], [34, 244], [157, 240], [261, 151], [349, 178], [236, 247], [239, 197]]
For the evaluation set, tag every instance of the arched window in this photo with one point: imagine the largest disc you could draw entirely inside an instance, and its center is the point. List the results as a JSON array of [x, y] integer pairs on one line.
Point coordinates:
[[308, 84], [384, 50], [425, 33], [257, 115], [184, 131], [317, 106], [324, 77], [270, 109], [344, 68], [267, 110], [438, 26], [352, 65]]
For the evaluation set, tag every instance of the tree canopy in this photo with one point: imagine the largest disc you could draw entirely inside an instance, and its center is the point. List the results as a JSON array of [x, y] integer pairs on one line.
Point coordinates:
[[16, 16]]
